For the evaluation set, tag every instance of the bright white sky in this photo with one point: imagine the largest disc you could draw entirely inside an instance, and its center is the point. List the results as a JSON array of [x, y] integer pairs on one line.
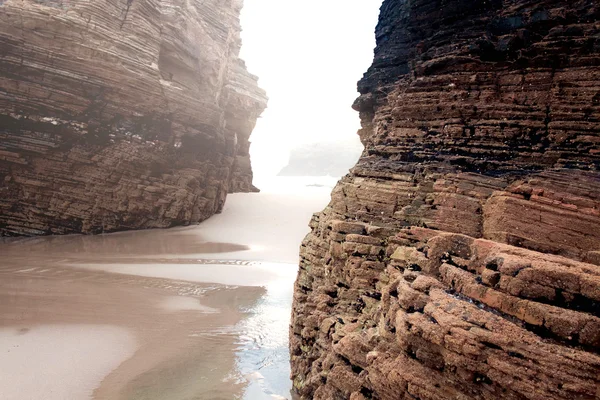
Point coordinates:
[[308, 55]]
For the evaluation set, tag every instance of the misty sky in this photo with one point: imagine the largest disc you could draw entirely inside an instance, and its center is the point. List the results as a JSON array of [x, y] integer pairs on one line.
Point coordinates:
[[308, 55]]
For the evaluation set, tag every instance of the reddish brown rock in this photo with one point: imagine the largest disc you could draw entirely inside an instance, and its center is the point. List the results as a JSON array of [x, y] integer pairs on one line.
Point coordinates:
[[121, 114], [460, 257]]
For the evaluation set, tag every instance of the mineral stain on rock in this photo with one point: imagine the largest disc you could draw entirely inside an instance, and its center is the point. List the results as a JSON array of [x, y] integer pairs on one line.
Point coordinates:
[[121, 114], [460, 258]]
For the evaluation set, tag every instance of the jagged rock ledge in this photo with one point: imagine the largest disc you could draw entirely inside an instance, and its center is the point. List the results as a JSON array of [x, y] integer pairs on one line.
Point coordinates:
[[460, 258], [121, 114]]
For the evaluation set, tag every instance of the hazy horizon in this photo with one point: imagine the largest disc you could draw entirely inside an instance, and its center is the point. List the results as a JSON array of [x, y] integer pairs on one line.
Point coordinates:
[[308, 57]]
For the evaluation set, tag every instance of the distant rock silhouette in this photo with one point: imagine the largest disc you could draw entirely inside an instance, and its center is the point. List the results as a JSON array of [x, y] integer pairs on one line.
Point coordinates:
[[323, 159]]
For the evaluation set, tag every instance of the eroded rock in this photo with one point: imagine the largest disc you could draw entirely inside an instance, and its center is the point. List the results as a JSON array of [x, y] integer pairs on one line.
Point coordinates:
[[459, 258], [121, 114]]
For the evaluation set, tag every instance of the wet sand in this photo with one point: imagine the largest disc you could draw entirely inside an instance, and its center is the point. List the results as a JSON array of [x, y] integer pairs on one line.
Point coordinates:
[[40, 354], [148, 325], [199, 312]]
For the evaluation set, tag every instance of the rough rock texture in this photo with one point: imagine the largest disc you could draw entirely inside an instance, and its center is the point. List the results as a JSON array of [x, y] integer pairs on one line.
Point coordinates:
[[121, 114], [460, 258]]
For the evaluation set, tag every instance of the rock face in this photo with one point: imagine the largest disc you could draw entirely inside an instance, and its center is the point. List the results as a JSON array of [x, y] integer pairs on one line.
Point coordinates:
[[121, 114], [460, 258]]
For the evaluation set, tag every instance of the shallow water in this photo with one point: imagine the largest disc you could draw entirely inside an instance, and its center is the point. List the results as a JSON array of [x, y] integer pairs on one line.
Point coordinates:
[[199, 312]]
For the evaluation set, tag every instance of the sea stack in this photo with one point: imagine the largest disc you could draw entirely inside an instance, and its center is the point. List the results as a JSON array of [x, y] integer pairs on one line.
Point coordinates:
[[460, 258], [121, 114]]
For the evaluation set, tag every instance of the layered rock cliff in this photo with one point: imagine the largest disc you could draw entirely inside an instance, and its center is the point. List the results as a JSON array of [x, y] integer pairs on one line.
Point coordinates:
[[121, 114], [460, 258]]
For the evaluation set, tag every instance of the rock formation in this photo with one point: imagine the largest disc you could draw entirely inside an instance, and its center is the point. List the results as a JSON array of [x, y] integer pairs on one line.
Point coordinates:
[[325, 158], [460, 258], [121, 114]]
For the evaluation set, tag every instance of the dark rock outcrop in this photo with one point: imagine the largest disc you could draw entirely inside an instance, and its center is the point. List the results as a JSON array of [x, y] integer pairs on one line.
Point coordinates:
[[121, 114], [460, 258]]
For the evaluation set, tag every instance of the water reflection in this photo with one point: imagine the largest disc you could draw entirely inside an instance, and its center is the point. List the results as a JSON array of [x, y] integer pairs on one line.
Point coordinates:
[[206, 326], [139, 243], [263, 356]]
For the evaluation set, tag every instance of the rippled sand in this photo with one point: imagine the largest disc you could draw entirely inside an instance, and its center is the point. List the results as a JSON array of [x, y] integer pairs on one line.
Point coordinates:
[[199, 312]]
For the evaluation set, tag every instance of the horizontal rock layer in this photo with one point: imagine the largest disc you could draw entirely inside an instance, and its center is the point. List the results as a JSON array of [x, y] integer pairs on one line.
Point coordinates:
[[121, 114], [460, 258]]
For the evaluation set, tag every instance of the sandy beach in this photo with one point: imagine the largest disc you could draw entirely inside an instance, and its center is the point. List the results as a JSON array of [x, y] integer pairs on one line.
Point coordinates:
[[196, 312]]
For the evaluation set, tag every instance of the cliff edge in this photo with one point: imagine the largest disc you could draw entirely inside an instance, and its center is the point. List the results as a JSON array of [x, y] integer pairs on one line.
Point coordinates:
[[460, 258], [121, 114]]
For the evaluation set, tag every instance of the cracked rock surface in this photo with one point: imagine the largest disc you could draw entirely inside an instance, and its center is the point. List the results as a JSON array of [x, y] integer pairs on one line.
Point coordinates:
[[460, 258], [121, 114]]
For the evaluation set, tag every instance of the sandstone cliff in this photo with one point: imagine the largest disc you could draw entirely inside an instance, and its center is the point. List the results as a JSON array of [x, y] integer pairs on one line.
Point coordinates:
[[460, 258], [121, 114]]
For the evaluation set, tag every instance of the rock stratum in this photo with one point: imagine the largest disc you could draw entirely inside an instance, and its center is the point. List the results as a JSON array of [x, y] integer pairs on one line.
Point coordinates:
[[121, 114], [460, 258]]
